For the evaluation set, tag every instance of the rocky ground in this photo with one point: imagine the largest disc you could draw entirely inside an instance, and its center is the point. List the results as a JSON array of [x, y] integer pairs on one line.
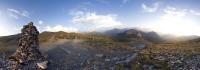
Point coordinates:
[[60, 53], [81, 55], [67, 54], [170, 56]]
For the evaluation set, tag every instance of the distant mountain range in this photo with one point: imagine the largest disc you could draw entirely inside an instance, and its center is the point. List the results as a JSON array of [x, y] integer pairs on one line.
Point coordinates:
[[151, 36], [134, 34], [122, 35]]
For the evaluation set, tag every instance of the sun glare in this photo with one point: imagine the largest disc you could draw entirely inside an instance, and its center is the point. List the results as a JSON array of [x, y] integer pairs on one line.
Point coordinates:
[[175, 26]]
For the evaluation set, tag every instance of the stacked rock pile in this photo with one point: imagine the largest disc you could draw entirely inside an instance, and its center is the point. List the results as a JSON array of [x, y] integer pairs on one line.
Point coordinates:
[[28, 54]]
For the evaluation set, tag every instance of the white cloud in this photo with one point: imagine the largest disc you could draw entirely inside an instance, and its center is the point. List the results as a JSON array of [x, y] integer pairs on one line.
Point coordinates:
[[152, 8], [195, 12], [99, 21], [174, 21], [25, 13], [40, 22], [124, 1], [170, 12], [16, 14], [61, 28], [13, 15]]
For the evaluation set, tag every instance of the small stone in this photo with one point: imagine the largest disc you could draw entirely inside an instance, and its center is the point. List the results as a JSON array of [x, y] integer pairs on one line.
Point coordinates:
[[115, 58], [107, 60], [20, 61], [42, 65], [79, 54], [99, 55]]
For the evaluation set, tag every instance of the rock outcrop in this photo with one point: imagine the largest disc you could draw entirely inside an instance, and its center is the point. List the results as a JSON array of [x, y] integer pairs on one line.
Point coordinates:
[[27, 52]]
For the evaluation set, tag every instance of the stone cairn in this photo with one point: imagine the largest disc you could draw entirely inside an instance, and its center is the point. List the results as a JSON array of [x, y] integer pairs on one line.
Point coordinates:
[[28, 51]]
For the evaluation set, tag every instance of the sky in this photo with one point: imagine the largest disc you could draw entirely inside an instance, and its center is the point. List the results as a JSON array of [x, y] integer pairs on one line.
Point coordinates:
[[176, 17]]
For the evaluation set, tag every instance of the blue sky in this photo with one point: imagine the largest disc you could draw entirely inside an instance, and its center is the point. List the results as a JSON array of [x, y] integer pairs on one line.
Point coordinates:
[[178, 17]]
